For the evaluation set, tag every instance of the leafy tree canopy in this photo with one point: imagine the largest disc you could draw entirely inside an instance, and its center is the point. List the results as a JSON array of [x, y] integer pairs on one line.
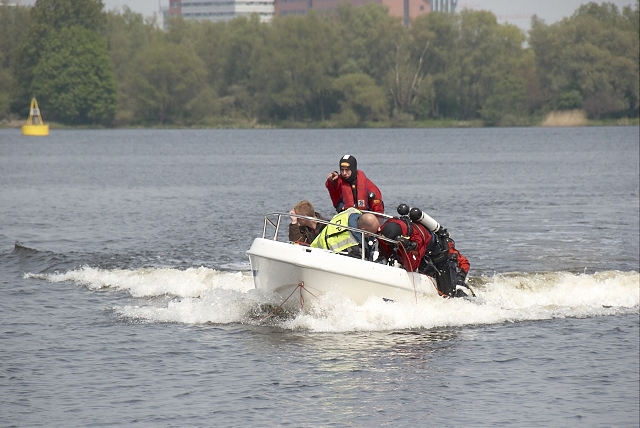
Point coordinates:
[[74, 78], [165, 80], [48, 17]]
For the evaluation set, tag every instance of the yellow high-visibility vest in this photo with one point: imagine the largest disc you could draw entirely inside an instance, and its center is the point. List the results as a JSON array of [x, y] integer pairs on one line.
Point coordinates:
[[336, 238]]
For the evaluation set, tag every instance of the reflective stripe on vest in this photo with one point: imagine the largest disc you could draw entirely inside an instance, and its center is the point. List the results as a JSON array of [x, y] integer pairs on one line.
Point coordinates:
[[336, 238]]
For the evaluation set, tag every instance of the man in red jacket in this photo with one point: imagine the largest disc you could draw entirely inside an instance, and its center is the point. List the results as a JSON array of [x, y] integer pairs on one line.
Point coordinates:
[[430, 253], [351, 188], [413, 240]]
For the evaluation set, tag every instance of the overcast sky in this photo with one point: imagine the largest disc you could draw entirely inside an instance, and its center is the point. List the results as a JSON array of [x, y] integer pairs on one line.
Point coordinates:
[[518, 12]]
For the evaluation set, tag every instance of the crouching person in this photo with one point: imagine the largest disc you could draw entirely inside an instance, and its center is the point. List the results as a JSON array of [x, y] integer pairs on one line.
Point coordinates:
[[340, 240], [413, 240], [428, 250]]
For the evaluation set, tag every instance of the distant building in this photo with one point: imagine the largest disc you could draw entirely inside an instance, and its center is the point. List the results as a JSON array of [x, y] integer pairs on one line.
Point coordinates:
[[448, 6], [396, 7], [225, 10], [220, 10], [406, 9]]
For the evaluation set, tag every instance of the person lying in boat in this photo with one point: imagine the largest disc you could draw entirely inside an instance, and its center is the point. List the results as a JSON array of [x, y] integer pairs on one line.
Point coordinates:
[[302, 230], [352, 189], [341, 240], [424, 246]]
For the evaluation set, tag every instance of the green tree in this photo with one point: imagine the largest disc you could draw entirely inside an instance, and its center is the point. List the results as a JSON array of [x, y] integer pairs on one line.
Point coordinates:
[[165, 82], [486, 54], [46, 18], [407, 78], [208, 44], [590, 59], [439, 33], [469, 60], [229, 50], [6, 82], [126, 35], [360, 100], [75, 77], [293, 70], [367, 39], [14, 20], [241, 40], [506, 105]]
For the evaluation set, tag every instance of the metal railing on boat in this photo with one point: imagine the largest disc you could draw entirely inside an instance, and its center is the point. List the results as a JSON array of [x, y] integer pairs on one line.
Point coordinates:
[[274, 220]]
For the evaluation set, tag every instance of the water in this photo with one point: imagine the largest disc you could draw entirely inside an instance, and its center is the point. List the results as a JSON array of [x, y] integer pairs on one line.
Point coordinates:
[[128, 300]]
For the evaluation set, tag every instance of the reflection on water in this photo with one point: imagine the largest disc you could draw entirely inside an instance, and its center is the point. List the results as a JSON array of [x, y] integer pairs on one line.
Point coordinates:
[[355, 351]]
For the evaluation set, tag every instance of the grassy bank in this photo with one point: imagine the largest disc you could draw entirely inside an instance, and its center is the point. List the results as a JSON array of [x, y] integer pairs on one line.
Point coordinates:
[[551, 120]]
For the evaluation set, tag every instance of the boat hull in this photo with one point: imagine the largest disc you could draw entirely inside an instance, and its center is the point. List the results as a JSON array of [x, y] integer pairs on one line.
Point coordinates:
[[300, 273]]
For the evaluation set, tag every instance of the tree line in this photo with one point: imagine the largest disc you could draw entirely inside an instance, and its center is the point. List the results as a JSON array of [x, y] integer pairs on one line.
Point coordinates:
[[355, 67]]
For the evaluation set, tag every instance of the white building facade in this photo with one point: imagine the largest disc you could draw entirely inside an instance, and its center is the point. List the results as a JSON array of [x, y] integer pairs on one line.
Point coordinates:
[[221, 10]]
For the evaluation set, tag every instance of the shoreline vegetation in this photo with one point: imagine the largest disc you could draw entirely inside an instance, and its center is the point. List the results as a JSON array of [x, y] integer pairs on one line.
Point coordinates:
[[572, 118], [355, 67]]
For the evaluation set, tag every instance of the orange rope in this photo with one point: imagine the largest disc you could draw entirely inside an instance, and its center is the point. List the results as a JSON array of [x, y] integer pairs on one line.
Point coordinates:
[[300, 287]]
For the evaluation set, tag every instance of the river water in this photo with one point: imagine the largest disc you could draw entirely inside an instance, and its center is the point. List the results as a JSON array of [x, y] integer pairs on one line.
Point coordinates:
[[127, 297]]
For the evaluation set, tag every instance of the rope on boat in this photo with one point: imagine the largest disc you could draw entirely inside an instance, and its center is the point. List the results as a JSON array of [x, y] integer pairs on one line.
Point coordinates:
[[299, 287], [413, 282]]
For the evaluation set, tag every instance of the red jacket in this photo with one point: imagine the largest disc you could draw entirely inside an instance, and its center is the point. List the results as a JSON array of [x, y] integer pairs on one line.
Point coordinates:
[[342, 192], [410, 259], [463, 262]]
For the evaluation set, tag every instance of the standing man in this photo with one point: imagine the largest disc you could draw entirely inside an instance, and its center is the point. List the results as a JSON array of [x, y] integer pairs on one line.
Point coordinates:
[[352, 189]]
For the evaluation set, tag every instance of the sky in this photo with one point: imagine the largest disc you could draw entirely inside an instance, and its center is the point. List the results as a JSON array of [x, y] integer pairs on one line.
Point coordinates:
[[517, 12]]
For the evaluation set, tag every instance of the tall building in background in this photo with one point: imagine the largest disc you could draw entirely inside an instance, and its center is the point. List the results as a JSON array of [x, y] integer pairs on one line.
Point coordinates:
[[225, 10], [401, 8], [220, 10], [444, 5]]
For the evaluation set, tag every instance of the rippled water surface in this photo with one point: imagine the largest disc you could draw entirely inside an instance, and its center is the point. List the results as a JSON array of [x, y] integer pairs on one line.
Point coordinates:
[[128, 299]]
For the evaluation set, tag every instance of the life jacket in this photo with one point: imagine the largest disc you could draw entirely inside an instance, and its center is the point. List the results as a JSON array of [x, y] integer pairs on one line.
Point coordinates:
[[361, 200], [334, 237]]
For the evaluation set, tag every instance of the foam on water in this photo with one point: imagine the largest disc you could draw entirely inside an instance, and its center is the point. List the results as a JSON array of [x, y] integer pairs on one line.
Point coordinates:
[[150, 282], [204, 295]]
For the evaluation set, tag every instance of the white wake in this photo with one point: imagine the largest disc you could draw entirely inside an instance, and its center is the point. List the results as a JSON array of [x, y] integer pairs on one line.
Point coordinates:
[[203, 295]]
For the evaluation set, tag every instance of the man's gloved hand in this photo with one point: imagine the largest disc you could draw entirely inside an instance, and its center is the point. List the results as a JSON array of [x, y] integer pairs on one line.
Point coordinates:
[[294, 220], [408, 245]]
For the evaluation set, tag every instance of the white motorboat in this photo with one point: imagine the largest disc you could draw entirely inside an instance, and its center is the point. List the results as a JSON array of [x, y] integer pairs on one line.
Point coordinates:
[[299, 273]]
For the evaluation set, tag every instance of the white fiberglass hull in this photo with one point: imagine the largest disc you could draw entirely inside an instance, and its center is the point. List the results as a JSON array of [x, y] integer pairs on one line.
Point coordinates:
[[305, 273]]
